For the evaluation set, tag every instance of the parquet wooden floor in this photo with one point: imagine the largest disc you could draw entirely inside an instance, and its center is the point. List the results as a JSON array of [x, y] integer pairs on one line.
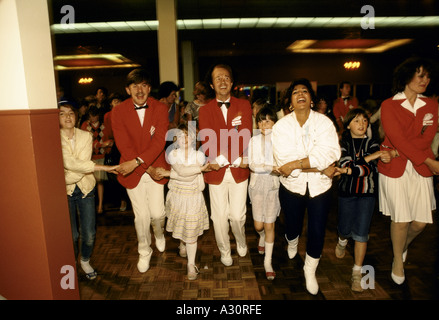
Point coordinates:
[[115, 259]]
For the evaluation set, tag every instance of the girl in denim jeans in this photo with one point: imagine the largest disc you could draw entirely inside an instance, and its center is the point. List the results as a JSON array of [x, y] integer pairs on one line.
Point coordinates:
[[80, 184]]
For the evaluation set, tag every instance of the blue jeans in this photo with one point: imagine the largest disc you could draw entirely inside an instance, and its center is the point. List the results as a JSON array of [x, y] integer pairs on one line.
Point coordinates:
[[83, 221], [294, 207], [355, 216]]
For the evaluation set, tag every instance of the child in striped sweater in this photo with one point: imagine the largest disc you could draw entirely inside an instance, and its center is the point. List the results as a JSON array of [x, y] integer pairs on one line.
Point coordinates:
[[357, 189]]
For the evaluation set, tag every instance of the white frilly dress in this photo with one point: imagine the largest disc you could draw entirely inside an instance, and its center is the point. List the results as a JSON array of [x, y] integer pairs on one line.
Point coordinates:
[[185, 205]]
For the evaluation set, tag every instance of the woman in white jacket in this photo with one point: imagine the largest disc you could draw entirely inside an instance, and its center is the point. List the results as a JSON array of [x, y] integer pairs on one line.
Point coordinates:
[[80, 184], [305, 145]]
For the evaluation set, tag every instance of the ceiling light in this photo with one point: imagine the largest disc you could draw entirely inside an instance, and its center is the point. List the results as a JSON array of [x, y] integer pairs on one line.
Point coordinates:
[[285, 22], [85, 80], [352, 65], [92, 61], [345, 46]]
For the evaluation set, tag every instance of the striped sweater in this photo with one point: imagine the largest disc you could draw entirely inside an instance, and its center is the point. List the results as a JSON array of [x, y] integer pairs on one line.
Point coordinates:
[[364, 178]]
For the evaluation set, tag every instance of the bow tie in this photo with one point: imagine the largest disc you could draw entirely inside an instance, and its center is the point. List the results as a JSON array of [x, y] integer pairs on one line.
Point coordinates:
[[227, 104], [345, 98], [143, 107]]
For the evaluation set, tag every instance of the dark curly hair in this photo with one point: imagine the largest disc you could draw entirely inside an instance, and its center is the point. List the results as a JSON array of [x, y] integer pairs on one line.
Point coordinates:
[[304, 82], [405, 72]]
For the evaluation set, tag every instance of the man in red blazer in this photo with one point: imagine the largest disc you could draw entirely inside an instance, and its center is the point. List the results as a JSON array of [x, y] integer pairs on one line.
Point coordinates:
[[139, 125], [225, 130], [343, 104]]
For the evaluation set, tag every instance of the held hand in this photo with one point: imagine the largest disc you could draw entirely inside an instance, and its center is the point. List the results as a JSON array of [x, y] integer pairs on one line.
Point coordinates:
[[214, 166], [205, 168], [127, 167], [155, 173], [330, 171], [275, 171], [286, 169], [433, 165], [339, 171], [385, 156], [112, 169], [161, 173]]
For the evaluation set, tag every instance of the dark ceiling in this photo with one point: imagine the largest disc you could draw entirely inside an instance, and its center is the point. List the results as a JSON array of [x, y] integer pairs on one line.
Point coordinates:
[[247, 44], [235, 41]]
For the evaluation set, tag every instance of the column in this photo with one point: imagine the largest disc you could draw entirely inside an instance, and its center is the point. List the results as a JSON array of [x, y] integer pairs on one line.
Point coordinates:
[[188, 70], [36, 248], [167, 41]]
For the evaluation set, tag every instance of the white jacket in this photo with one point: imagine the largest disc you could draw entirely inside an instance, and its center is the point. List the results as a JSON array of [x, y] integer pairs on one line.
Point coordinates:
[[317, 139], [78, 166]]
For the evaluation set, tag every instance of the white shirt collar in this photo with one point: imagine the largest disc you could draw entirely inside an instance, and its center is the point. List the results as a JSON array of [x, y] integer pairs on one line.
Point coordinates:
[[406, 104]]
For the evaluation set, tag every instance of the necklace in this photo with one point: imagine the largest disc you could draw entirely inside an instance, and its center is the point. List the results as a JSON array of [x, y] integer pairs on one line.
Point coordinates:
[[357, 154]]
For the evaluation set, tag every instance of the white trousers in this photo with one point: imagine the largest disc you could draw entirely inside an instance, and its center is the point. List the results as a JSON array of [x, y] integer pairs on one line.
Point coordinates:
[[228, 202], [148, 202]]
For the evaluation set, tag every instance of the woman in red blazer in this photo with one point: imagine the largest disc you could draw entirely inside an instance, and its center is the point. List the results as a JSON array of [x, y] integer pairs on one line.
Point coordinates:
[[405, 183]]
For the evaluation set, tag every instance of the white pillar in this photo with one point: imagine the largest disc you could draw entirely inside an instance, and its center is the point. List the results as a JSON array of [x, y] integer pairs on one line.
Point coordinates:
[[27, 79], [167, 40]]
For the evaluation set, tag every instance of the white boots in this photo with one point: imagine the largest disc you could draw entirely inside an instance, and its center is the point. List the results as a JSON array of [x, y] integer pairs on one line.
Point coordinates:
[[309, 270], [292, 247]]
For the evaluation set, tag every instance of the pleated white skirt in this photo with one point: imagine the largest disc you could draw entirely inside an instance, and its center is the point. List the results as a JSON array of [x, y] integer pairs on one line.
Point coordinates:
[[408, 198]]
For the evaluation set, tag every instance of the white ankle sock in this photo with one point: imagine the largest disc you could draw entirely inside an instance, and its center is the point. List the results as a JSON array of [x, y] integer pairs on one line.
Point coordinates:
[[343, 243], [85, 265], [268, 255], [356, 268], [261, 238], [191, 249]]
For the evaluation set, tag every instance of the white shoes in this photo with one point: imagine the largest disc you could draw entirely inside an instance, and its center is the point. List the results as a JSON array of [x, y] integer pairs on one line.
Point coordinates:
[[192, 272], [309, 269], [399, 279], [160, 243], [242, 251], [226, 260], [143, 264]]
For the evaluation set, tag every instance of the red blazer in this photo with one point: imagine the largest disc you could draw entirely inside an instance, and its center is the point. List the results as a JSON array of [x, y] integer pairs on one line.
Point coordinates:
[[220, 138], [133, 140], [340, 109], [404, 133]]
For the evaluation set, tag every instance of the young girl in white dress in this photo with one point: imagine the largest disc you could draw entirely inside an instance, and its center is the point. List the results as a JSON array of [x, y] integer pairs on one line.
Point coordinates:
[[185, 206], [264, 186]]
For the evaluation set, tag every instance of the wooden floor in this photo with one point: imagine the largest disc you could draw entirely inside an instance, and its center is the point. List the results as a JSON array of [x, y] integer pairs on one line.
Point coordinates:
[[115, 259]]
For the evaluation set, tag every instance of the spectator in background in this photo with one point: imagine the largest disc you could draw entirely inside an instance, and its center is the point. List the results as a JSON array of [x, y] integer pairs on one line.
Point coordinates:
[[343, 104], [168, 95]]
